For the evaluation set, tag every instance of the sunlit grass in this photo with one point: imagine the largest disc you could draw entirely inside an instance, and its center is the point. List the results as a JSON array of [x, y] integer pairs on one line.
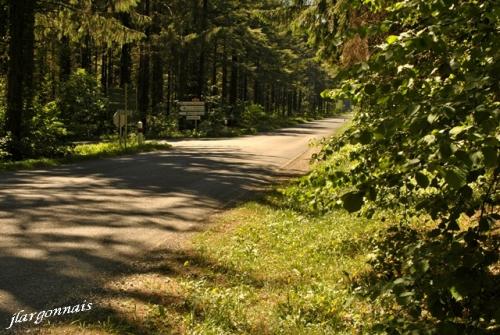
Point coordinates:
[[85, 152], [285, 274], [261, 268]]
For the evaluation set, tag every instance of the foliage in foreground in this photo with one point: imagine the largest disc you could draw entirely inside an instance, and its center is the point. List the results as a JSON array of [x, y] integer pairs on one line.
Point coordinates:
[[427, 145]]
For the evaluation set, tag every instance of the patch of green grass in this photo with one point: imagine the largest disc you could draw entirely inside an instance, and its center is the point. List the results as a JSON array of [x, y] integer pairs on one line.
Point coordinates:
[[285, 273], [261, 269], [83, 152]]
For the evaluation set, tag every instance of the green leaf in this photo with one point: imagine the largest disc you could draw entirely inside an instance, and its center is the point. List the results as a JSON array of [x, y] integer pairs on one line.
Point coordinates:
[[445, 149], [457, 130], [455, 177], [422, 180], [464, 157], [365, 137], [391, 39], [370, 89], [455, 294], [490, 157], [484, 224], [352, 201]]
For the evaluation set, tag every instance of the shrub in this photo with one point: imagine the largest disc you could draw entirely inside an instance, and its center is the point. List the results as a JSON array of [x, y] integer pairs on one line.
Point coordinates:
[[215, 125], [161, 125], [427, 131], [83, 107], [48, 135], [254, 116]]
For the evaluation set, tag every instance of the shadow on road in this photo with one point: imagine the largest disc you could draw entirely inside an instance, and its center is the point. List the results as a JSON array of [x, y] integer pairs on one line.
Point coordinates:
[[65, 231]]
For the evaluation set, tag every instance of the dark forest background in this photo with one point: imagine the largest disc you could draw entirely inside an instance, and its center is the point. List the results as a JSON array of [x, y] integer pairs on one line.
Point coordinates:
[[68, 64]]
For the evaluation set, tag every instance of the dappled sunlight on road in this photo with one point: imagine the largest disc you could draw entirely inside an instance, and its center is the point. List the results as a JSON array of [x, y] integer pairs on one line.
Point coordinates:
[[76, 225]]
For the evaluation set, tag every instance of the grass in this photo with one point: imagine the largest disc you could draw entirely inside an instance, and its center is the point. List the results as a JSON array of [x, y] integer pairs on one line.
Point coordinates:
[[83, 152], [261, 269], [289, 274]]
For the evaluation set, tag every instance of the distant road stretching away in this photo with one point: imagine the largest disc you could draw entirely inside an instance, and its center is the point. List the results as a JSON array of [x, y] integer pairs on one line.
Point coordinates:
[[68, 227]]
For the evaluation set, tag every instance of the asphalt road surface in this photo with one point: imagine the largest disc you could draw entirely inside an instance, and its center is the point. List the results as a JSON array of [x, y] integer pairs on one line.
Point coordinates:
[[64, 228]]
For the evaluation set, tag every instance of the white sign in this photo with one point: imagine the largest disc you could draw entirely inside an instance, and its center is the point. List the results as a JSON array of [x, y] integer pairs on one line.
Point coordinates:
[[190, 107], [192, 113], [193, 117], [191, 103], [120, 118]]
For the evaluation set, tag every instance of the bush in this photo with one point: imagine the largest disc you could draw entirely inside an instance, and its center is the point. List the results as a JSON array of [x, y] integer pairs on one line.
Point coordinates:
[[4, 154], [161, 126], [427, 135], [215, 125], [253, 115], [48, 135], [84, 107], [440, 283]]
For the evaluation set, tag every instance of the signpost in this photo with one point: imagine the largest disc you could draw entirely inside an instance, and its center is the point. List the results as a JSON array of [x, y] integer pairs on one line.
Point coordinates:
[[192, 110], [120, 119]]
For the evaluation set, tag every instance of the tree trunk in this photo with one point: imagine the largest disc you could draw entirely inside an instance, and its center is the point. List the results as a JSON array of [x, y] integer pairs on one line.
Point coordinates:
[[299, 102], [110, 71], [169, 88], [257, 94], [125, 65], [20, 74], [214, 65], [125, 57], [86, 55], [201, 68], [233, 83], [157, 84], [64, 59], [143, 82], [182, 74], [104, 72], [245, 86], [4, 24], [224, 74]]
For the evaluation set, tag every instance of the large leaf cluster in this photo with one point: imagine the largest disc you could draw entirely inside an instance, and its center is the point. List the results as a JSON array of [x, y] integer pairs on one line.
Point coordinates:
[[428, 129]]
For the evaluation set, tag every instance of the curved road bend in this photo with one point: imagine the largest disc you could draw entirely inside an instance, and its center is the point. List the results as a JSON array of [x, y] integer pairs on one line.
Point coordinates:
[[66, 227]]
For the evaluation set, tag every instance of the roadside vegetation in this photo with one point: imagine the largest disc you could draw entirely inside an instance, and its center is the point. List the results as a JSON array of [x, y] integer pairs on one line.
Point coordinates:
[[81, 152], [417, 171]]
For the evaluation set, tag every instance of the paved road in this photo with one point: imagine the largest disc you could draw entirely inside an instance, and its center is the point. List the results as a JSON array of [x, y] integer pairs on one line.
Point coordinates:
[[64, 227]]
